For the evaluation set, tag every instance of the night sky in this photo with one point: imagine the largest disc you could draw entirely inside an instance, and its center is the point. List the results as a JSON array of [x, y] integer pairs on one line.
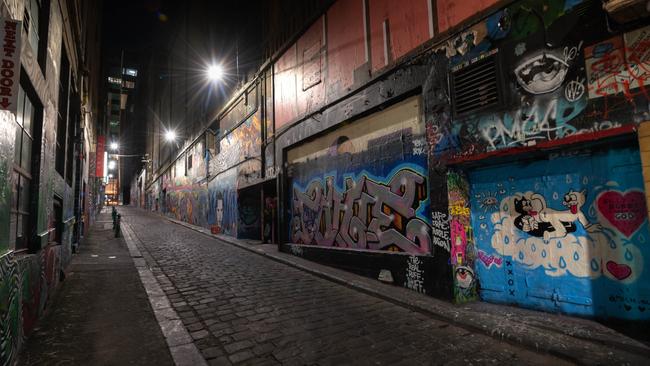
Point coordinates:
[[138, 25], [219, 30]]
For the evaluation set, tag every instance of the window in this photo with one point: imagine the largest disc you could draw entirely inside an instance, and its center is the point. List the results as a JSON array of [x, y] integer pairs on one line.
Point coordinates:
[[189, 162], [22, 172], [62, 118], [31, 22], [74, 105], [130, 72], [35, 24]]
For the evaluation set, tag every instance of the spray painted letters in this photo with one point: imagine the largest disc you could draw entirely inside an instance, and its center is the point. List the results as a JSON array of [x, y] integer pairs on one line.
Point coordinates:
[[369, 214]]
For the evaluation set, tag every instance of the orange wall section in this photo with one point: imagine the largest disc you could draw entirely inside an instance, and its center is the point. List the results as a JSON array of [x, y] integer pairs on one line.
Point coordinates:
[[452, 12]]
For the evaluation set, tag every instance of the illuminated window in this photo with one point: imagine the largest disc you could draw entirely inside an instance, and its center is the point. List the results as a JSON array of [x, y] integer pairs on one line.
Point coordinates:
[[130, 72]]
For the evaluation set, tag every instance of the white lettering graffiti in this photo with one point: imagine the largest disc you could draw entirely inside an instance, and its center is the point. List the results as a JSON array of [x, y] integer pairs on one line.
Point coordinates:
[[440, 230], [571, 53], [419, 146], [368, 215], [414, 278], [543, 121]]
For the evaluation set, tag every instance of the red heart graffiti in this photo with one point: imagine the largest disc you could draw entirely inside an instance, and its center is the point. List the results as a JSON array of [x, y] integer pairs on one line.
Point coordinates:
[[626, 212], [619, 271]]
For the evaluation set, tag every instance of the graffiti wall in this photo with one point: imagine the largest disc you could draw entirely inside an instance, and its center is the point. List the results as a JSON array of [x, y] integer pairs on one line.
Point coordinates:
[[186, 190], [237, 164], [561, 75], [27, 283], [222, 213], [242, 143], [461, 237], [364, 185], [188, 202], [565, 234]]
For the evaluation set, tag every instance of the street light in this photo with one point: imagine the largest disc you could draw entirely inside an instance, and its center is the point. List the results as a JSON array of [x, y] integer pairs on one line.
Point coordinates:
[[170, 135], [215, 72], [114, 146], [111, 165]]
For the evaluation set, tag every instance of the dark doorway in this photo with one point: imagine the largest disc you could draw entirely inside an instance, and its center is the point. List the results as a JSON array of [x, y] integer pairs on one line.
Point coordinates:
[[250, 209], [269, 212]]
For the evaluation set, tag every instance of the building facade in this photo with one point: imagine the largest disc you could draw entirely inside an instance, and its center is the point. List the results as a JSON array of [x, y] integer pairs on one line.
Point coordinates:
[[492, 152], [47, 148]]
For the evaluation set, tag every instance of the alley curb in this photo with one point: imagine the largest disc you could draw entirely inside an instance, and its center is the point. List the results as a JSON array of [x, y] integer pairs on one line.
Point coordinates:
[[576, 345], [181, 347]]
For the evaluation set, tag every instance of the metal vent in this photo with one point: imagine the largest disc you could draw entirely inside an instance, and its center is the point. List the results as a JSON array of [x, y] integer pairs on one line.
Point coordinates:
[[475, 87]]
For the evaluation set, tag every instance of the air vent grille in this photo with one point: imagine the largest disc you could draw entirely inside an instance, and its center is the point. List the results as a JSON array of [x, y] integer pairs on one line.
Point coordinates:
[[476, 86]]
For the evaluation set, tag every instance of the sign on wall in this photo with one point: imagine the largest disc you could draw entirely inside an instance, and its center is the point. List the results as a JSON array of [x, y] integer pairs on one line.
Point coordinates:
[[9, 64]]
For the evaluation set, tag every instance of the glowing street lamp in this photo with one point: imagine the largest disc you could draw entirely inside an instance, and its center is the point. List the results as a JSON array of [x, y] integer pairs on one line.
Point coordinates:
[[170, 135], [114, 146], [215, 72], [111, 165]]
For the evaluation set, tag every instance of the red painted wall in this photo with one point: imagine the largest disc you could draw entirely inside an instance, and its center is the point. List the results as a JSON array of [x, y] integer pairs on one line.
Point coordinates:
[[345, 45], [320, 66], [284, 88], [299, 76], [312, 61], [408, 24], [452, 12]]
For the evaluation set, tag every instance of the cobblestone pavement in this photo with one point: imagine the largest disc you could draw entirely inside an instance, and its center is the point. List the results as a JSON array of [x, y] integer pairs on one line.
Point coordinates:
[[240, 307]]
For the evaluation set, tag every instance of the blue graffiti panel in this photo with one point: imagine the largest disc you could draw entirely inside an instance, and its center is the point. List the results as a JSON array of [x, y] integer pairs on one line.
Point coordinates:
[[372, 199], [568, 234]]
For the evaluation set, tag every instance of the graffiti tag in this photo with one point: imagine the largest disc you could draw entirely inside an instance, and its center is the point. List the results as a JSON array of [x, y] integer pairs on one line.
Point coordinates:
[[414, 278], [368, 215]]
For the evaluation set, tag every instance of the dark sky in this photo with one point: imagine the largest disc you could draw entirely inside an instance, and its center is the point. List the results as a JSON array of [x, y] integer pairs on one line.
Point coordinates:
[[129, 24], [138, 25]]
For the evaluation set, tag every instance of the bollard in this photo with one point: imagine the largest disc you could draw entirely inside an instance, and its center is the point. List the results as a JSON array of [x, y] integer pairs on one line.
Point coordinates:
[[117, 225], [114, 215]]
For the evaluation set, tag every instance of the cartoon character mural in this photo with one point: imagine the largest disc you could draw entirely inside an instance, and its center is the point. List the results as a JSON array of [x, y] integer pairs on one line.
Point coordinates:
[[566, 236]]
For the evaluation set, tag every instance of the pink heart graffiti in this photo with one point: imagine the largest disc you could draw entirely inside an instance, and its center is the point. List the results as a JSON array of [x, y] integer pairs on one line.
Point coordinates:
[[626, 212], [488, 260], [619, 271]]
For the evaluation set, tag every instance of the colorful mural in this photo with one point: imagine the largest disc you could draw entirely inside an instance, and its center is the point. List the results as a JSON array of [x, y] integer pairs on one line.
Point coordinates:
[[370, 213], [10, 309], [463, 253], [563, 75], [242, 143], [26, 285], [188, 202], [565, 235], [222, 213], [364, 186]]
